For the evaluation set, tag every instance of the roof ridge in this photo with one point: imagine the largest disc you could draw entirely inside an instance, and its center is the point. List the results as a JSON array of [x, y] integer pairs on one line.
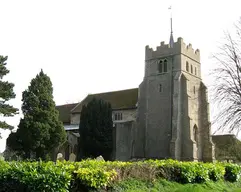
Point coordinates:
[[66, 104], [113, 91], [78, 104]]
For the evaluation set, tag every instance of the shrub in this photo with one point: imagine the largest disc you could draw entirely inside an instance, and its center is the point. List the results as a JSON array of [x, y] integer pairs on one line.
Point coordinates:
[[95, 178], [92, 174], [232, 172], [33, 176]]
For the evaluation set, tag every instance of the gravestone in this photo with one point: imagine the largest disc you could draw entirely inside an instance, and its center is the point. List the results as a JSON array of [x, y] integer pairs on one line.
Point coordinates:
[[99, 158], [60, 157], [72, 157]]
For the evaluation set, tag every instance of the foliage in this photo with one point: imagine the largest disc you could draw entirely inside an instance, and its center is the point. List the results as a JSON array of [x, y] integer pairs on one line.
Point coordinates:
[[227, 77], [40, 131], [232, 172], [91, 174], [6, 93], [134, 185], [96, 129], [95, 178], [33, 176]]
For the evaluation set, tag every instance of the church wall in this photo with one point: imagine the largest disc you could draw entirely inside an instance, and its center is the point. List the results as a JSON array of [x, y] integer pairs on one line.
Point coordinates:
[[140, 131], [208, 153], [177, 119], [75, 118], [193, 85], [158, 129], [188, 148], [124, 141], [127, 115]]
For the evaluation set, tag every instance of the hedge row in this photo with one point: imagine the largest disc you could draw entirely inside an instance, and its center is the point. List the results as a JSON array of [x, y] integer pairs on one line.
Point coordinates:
[[92, 174]]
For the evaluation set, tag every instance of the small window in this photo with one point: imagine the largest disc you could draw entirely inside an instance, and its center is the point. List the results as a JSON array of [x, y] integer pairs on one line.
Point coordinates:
[[195, 133], [160, 67], [195, 71], [160, 88], [194, 89], [118, 116], [191, 69], [187, 66], [165, 65]]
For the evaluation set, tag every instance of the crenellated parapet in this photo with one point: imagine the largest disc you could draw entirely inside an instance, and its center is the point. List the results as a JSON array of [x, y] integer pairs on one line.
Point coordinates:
[[179, 47]]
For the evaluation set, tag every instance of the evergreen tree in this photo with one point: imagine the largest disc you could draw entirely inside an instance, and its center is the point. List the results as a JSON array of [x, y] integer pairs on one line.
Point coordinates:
[[96, 129], [6, 93], [40, 131]]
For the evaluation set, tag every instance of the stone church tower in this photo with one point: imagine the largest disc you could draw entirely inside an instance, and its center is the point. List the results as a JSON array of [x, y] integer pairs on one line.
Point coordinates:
[[173, 110]]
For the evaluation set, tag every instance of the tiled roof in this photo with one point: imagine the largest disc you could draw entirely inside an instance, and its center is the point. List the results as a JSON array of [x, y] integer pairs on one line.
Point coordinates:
[[124, 99], [64, 112]]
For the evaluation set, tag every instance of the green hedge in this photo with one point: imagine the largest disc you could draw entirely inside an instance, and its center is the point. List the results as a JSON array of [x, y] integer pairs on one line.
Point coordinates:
[[92, 174]]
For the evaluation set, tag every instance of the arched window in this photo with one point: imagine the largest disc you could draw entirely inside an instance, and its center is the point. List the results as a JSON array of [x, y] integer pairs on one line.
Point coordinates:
[[160, 67], [191, 69], [195, 133], [165, 65], [187, 66]]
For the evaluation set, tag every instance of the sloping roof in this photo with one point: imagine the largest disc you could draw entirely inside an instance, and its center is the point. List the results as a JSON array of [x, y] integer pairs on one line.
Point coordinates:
[[123, 99], [64, 112], [222, 141]]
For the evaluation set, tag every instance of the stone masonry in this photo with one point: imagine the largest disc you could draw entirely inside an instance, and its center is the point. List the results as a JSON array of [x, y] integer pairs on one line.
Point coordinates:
[[173, 114]]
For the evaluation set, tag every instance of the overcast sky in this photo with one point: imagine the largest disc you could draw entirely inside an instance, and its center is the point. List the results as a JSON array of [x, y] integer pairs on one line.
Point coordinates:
[[96, 46]]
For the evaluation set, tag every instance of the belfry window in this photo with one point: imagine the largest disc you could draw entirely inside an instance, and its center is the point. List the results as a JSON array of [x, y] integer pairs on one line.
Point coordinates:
[[160, 66], [165, 65], [191, 69], [195, 71], [187, 66]]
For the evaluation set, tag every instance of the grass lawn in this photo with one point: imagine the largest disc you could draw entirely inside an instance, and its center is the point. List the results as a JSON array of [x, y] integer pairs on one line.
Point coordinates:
[[132, 185]]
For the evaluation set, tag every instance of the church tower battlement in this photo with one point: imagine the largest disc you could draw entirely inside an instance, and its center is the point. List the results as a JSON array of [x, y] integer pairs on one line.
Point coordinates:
[[179, 47]]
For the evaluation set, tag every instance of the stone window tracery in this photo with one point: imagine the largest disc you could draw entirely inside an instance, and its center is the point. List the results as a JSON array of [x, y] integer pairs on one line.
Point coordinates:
[[187, 66], [165, 65], [160, 66], [195, 133]]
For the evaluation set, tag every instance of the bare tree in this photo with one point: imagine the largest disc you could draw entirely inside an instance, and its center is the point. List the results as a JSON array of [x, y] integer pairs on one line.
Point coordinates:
[[227, 88]]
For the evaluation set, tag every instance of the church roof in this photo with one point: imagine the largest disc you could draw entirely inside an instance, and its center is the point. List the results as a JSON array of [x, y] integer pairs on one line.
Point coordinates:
[[223, 140], [123, 99], [64, 112]]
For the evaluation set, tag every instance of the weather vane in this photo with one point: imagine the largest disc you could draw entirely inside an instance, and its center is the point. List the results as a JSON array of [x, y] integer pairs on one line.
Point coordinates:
[[170, 8]]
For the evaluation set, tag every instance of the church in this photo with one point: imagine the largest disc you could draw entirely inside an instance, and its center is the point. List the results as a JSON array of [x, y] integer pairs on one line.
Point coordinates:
[[167, 116]]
